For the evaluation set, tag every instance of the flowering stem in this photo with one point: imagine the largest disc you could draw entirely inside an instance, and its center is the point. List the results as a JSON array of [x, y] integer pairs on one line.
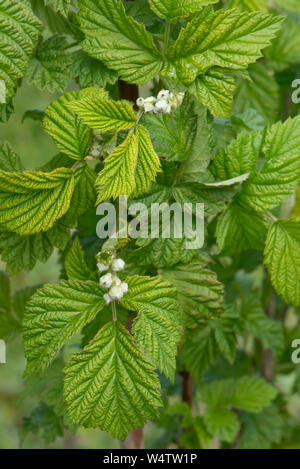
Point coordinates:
[[114, 311]]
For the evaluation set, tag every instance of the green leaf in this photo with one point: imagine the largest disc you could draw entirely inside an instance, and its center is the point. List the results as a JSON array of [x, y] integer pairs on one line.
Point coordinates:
[[214, 90], [118, 176], [110, 384], [284, 50], [289, 5], [54, 314], [225, 333], [156, 327], [8, 322], [239, 157], [75, 264], [175, 9], [199, 352], [281, 172], [148, 164], [33, 201], [173, 135], [19, 31], [282, 257], [222, 423], [240, 228], [23, 252], [119, 41], [44, 421], [49, 68], [249, 393], [227, 39], [84, 196], [91, 72], [249, 5], [269, 331], [104, 114], [9, 161], [162, 252], [261, 430], [260, 92], [61, 6], [70, 134], [199, 291]]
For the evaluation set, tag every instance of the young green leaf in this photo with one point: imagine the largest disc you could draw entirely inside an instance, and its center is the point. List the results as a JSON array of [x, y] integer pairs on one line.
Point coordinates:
[[71, 135], [118, 176], [104, 114], [249, 5], [282, 257], [175, 9], [214, 90], [33, 201], [156, 327], [54, 314], [148, 164], [75, 264], [110, 384], [119, 41], [61, 6], [227, 39], [91, 72]]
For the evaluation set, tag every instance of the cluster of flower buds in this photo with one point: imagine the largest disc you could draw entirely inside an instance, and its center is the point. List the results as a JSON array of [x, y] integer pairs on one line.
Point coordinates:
[[165, 102], [110, 280]]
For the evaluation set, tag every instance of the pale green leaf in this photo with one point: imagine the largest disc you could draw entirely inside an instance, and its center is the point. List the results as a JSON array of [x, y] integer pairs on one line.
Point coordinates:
[[118, 176], [261, 430], [249, 5], [110, 384], [175, 9], [54, 314], [33, 201], [156, 327], [71, 135], [104, 114], [284, 50], [214, 91], [282, 257], [148, 164], [222, 423], [119, 41], [227, 39]]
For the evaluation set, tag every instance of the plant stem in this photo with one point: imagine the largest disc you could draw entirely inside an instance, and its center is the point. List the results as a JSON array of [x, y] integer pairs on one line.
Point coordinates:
[[114, 311], [166, 39], [187, 388], [267, 366]]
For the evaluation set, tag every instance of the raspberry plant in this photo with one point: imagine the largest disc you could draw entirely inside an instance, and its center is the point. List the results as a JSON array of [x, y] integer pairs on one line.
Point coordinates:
[[212, 125]]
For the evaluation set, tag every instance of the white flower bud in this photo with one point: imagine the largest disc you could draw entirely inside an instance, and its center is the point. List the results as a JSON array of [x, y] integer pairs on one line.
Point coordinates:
[[106, 281], [163, 94], [102, 267], [161, 105], [151, 100], [107, 299], [124, 287], [116, 280], [117, 264], [149, 107], [140, 102], [116, 292]]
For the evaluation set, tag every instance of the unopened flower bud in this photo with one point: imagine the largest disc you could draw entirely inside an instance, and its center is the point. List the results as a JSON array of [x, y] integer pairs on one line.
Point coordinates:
[[163, 94], [140, 102], [117, 264], [106, 281], [102, 267], [107, 299], [124, 287], [116, 292]]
